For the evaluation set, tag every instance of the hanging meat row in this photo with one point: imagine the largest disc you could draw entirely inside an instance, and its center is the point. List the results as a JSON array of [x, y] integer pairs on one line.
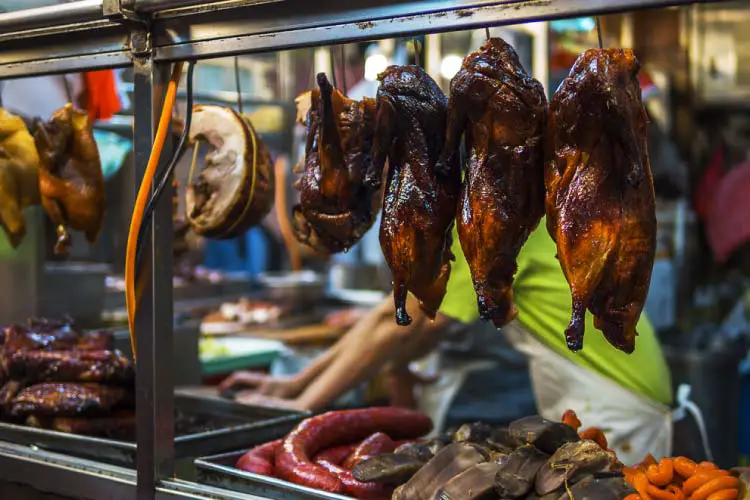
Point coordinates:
[[583, 160], [54, 163]]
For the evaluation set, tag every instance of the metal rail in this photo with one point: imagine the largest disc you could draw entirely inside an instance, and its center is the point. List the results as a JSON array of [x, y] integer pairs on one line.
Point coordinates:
[[67, 13], [288, 25], [68, 477], [242, 26]]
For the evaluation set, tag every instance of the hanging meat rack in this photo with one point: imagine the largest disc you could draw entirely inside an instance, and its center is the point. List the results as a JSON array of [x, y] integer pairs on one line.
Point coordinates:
[[149, 35]]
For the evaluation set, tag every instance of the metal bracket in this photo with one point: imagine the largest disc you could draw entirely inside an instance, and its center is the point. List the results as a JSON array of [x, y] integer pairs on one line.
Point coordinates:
[[123, 11], [140, 42], [120, 10]]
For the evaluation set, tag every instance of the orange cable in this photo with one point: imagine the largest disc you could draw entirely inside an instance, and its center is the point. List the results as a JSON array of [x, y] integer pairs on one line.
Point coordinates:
[[142, 199]]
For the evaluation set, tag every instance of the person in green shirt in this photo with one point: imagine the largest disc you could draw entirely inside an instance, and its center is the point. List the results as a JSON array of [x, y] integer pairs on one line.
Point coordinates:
[[628, 396]]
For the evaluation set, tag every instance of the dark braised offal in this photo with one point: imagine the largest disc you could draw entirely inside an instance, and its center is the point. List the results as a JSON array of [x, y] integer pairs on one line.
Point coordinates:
[[600, 194], [419, 204], [502, 111], [336, 208]]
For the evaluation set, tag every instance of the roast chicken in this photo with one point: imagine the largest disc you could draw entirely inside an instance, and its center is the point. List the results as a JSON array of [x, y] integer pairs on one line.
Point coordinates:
[[336, 208], [71, 182], [419, 204], [234, 189], [600, 195], [502, 111], [19, 175]]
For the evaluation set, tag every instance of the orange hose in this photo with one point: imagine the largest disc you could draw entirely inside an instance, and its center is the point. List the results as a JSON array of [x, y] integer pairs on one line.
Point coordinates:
[[283, 218], [143, 197]]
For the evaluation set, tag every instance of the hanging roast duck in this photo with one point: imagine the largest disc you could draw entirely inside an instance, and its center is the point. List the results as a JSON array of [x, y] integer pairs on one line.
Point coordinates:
[[71, 182], [600, 194], [419, 204], [19, 175], [503, 112], [336, 208], [234, 189]]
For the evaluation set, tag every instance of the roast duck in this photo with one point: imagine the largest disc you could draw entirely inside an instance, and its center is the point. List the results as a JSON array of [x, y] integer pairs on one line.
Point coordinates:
[[501, 111], [71, 183], [57, 377], [600, 196], [336, 207], [234, 189], [419, 203], [19, 175]]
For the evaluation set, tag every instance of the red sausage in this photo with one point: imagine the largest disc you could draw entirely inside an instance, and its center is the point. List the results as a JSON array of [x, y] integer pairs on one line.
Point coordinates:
[[259, 460], [357, 489], [337, 454], [293, 458], [374, 445]]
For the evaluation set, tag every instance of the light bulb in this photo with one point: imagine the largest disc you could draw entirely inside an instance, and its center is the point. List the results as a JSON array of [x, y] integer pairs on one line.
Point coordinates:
[[450, 65], [374, 65]]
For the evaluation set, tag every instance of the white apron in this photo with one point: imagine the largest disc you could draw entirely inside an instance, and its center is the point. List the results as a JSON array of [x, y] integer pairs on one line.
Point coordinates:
[[634, 425]]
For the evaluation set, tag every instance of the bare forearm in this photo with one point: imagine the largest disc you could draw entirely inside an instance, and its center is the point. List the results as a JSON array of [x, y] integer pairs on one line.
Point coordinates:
[[354, 365], [386, 346], [355, 336]]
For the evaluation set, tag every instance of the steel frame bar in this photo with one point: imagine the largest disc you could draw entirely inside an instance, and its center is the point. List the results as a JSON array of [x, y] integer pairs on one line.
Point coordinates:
[[233, 27], [153, 322], [264, 27], [58, 474]]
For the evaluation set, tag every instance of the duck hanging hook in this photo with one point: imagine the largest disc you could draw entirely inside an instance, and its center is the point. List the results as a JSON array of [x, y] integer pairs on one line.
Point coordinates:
[[599, 32], [237, 85], [332, 60], [343, 70], [417, 59], [487, 33]]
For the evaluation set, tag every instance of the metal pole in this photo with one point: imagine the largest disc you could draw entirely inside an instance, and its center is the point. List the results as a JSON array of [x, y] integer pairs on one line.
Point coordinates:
[[53, 15], [154, 319]]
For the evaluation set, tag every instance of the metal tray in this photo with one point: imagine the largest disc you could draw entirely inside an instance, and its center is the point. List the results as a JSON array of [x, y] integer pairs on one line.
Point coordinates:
[[219, 471], [217, 425]]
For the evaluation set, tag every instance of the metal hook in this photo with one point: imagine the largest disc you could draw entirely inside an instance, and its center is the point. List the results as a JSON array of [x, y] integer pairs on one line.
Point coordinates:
[[417, 60], [237, 86], [333, 67], [343, 69], [599, 32], [487, 33]]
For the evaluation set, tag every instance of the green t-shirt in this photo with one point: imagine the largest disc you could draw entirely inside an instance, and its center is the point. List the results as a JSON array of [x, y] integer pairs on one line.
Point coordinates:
[[542, 296]]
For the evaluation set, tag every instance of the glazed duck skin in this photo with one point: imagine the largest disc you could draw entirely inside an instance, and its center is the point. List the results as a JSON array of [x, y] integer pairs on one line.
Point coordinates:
[[502, 111], [336, 208], [600, 196], [419, 204]]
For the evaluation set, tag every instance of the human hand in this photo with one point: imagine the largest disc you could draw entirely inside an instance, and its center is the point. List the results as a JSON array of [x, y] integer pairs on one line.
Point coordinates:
[[262, 384], [256, 399]]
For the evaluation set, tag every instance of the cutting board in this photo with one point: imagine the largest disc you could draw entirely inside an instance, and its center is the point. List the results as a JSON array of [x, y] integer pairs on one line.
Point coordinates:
[[313, 334]]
